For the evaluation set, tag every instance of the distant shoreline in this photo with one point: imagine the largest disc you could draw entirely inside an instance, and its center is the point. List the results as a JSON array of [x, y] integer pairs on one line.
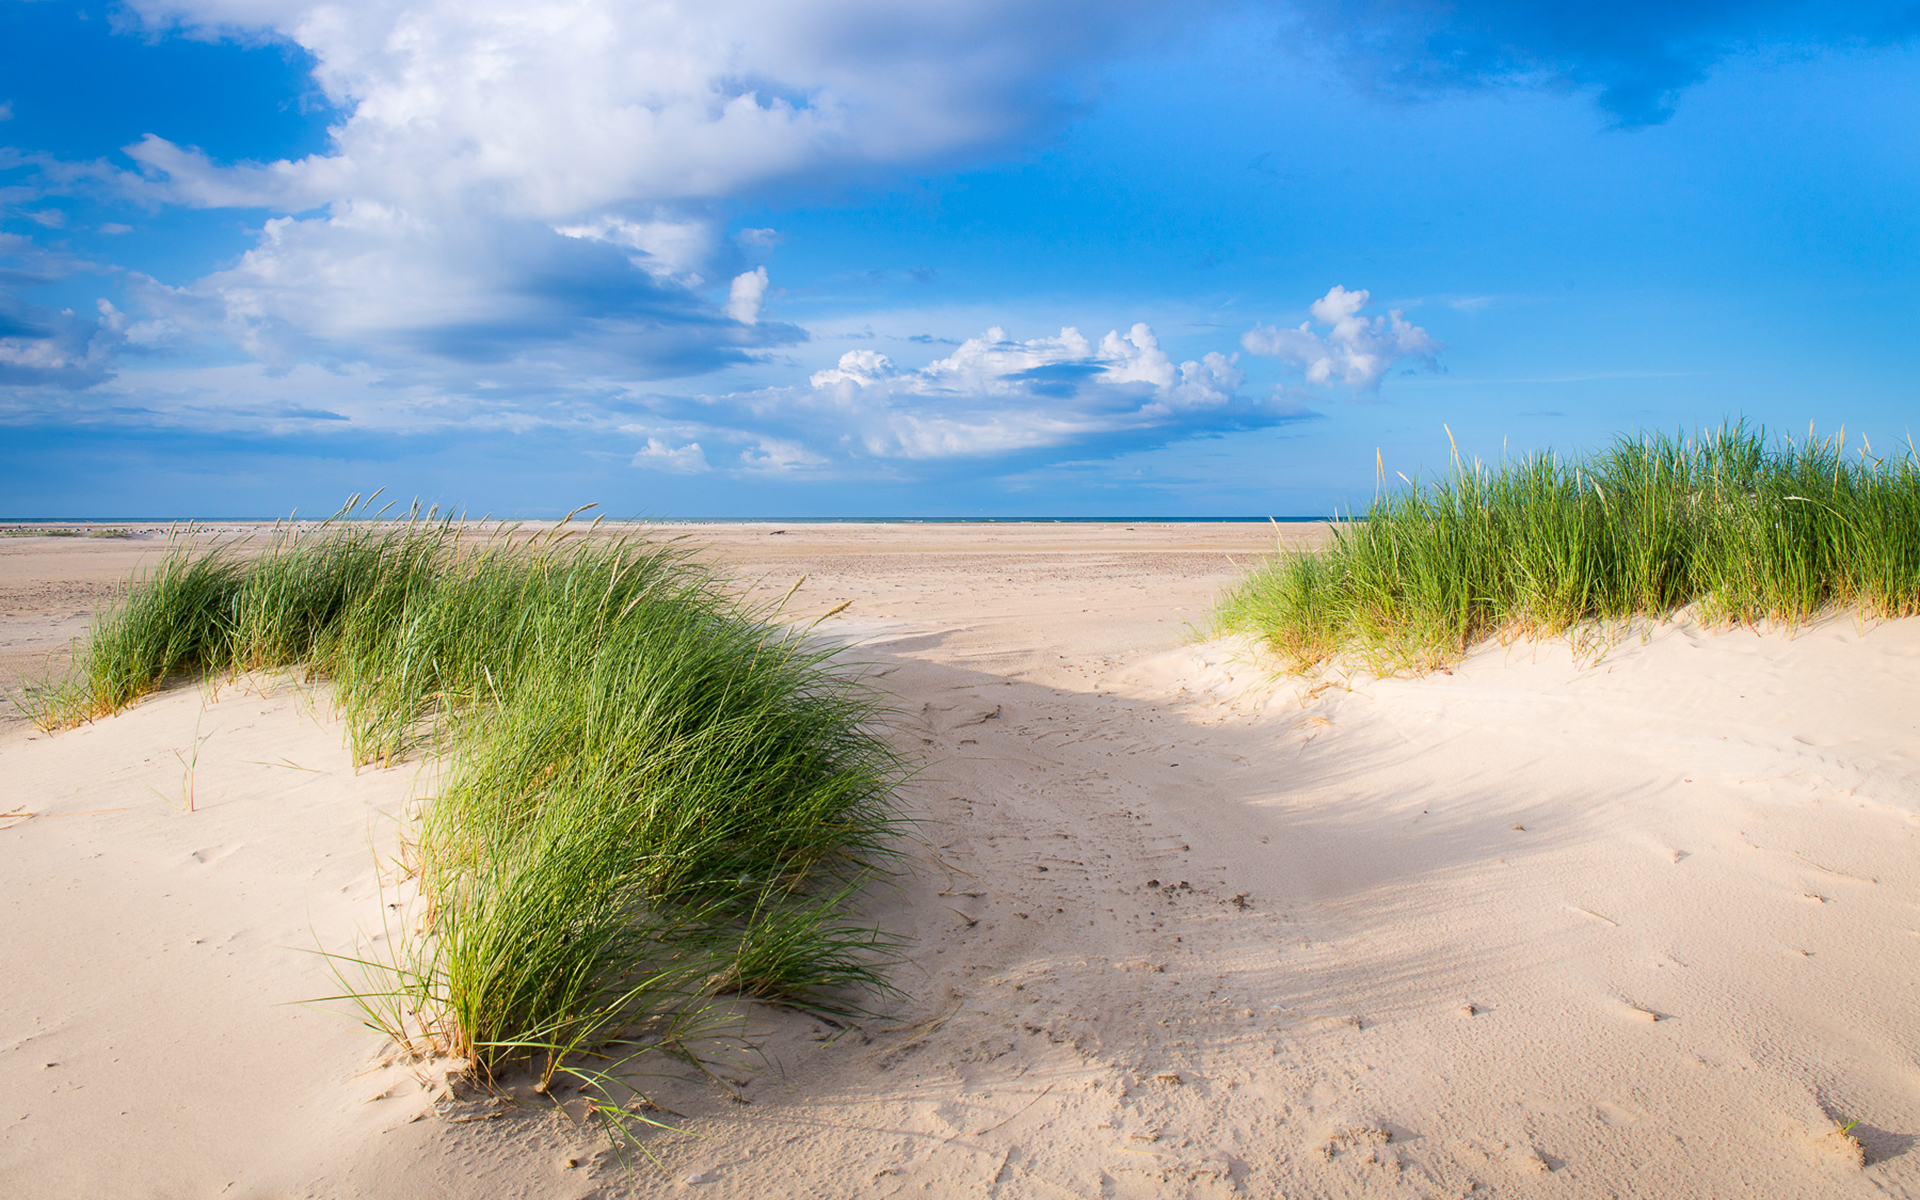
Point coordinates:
[[41, 522]]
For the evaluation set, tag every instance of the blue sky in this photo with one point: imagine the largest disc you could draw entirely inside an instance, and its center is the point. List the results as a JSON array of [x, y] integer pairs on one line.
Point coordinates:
[[843, 257]]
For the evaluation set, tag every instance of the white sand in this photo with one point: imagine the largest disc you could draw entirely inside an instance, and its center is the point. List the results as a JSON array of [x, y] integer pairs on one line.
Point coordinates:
[[1697, 951]]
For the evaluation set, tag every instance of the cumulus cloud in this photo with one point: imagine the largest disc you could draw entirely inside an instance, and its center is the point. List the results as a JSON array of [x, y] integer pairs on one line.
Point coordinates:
[[858, 367], [748, 293], [1355, 351], [554, 108], [993, 396], [776, 456], [465, 300], [666, 248], [544, 182], [657, 455]]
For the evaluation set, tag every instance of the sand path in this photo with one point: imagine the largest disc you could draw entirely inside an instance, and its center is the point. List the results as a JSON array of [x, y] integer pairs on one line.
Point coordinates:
[[1641, 927]]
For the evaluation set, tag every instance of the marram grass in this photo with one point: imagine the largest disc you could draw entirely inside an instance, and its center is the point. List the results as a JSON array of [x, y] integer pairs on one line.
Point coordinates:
[[1744, 529], [652, 797]]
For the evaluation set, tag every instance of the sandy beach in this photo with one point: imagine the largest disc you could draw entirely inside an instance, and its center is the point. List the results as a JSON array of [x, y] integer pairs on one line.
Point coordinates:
[[1641, 920]]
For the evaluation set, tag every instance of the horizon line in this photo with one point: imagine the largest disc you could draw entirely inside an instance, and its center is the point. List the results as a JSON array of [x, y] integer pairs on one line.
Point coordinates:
[[761, 520]]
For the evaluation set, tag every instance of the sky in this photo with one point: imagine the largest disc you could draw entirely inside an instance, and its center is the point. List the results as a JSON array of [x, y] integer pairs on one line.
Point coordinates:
[[925, 258]]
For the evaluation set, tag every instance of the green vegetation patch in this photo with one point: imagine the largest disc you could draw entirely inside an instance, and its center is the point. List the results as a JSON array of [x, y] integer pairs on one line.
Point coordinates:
[[654, 796], [1746, 529]]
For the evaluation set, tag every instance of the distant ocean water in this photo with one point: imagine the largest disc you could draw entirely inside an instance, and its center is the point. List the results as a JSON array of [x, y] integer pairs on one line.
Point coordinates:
[[978, 520], [731, 520]]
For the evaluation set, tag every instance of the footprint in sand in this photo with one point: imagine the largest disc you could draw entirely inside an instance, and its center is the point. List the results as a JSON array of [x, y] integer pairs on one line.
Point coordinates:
[[1529, 1161], [1617, 1115]]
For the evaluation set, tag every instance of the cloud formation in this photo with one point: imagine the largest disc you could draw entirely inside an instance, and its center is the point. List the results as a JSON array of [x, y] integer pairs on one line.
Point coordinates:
[[520, 218], [555, 108], [993, 397], [43, 348], [688, 459], [522, 191], [1355, 351], [39, 348], [748, 293]]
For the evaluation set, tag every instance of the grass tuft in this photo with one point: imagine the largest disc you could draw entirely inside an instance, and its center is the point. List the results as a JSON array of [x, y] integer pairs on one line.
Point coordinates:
[[653, 795], [1747, 530]]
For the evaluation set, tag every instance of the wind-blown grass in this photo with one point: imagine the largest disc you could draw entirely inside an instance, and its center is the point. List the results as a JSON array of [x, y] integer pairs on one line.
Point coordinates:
[[653, 795], [1746, 530]]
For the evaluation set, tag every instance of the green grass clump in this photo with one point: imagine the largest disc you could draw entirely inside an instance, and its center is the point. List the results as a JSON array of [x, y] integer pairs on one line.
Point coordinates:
[[1747, 530], [653, 795]]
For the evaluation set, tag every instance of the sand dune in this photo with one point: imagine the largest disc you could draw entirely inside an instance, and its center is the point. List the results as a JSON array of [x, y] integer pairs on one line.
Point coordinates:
[[1640, 923]]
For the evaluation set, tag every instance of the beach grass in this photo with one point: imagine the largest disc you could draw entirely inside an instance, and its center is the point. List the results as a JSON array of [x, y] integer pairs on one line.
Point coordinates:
[[1742, 528], [652, 795]]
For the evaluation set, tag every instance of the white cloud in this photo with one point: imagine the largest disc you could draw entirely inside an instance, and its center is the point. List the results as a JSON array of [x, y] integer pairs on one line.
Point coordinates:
[[1356, 351], [547, 180], [869, 417], [520, 221], [556, 108], [190, 177], [62, 349], [996, 395], [778, 456], [689, 459], [667, 248], [456, 299], [748, 293], [859, 367]]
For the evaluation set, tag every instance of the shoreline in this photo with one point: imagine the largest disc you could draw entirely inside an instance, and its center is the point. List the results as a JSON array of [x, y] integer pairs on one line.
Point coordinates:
[[35, 524]]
